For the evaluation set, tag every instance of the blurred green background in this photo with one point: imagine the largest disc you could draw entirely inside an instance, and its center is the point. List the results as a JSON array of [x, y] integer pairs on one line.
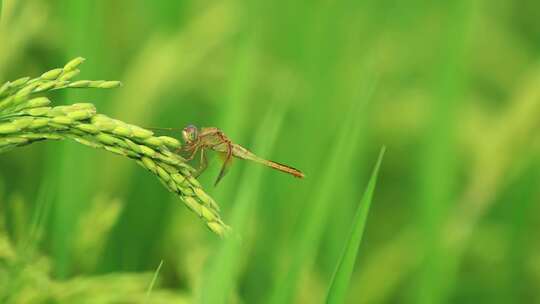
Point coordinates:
[[452, 88]]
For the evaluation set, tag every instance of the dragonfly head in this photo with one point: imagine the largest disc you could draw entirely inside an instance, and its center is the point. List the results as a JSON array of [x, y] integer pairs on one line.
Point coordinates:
[[190, 134]]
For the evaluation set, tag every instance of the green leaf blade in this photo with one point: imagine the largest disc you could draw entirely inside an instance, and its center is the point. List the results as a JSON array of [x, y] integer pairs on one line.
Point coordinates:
[[342, 275]]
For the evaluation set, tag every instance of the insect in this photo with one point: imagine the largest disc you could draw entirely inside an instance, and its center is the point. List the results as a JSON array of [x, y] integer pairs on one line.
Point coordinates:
[[214, 139]]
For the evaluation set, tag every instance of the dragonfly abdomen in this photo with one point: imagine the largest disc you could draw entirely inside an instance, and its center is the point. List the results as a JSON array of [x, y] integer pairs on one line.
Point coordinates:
[[287, 169]]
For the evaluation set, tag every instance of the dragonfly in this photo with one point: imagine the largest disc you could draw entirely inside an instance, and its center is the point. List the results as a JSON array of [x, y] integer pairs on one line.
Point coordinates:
[[211, 138]]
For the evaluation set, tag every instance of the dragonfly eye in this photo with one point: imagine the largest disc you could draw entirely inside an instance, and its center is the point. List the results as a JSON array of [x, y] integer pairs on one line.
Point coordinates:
[[194, 133], [190, 133]]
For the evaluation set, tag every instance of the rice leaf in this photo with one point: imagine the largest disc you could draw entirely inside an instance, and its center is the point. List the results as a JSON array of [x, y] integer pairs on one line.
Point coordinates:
[[342, 275], [153, 282]]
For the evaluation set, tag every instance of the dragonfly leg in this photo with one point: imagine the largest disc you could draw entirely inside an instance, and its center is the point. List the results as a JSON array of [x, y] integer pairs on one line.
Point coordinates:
[[203, 164], [193, 152], [226, 163]]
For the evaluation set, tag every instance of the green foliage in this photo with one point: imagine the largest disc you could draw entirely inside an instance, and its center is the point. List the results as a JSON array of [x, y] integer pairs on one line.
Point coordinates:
[[153, 282], [342, 275], [452, 88]]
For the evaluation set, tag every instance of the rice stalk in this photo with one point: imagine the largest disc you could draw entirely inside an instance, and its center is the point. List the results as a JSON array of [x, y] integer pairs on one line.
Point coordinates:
[[26, 118]]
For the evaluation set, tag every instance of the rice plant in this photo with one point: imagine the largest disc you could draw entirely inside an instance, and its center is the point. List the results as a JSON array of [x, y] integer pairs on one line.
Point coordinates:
[[26, 118], [451, 88]]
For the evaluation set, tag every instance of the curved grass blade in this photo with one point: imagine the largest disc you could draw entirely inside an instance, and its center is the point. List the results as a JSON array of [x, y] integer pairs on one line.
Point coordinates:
[[153, 282], [342, 275]]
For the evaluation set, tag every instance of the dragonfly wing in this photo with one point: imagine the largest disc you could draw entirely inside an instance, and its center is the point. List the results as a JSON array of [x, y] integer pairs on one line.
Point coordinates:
[[227, 161]]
